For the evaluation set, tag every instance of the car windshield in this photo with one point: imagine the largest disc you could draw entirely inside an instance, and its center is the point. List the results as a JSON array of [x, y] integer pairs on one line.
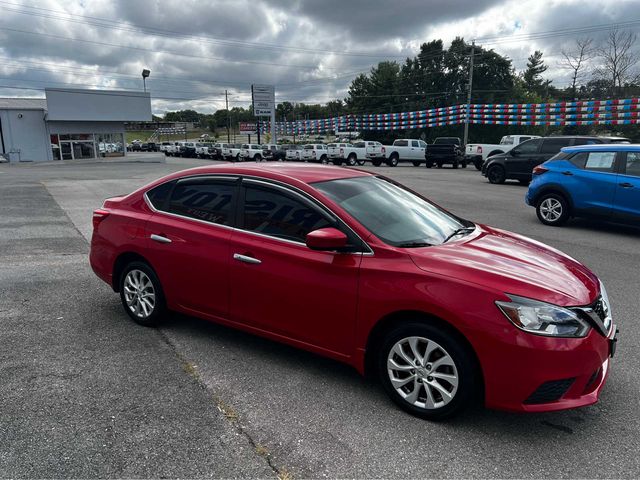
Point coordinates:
[[394, 215], [506, 141]]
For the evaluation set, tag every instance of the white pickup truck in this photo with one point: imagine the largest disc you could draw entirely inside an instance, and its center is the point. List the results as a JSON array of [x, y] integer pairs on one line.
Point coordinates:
[[173, 150], [231, 152], [477, 153], [251, 151], [293, 153], [402, 150], [352, 155], [202, 149], [315, 152]]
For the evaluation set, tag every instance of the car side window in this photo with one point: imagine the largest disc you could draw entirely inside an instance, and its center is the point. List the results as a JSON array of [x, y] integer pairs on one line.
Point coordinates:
[[633, 164], [528, 147], [554, 145], [158, 196], [423, 144], [415, 143], [281, 215], [211, 201], [402, 143], [600, 161]]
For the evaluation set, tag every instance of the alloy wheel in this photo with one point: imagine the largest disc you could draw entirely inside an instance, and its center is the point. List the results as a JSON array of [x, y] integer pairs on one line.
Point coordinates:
[[422, 372], [139, 293], [551, 209]]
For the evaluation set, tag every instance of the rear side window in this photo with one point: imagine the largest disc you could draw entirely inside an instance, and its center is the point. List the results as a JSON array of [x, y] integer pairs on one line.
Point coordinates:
[[402, 143], [595, 161], [633, 164], [585, 141], [210, 201], [277, 214], [553, 145], [157, 196]]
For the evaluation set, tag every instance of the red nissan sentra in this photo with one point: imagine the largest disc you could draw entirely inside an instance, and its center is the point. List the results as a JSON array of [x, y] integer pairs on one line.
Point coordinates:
[[361, 269]]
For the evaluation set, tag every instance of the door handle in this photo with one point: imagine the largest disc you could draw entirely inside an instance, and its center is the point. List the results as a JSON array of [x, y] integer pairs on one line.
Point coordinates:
[[246, 259], [626, 185], [567, 173], [160, 238]]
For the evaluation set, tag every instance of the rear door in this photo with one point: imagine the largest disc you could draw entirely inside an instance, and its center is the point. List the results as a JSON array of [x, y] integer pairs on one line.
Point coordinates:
[[627, 199], [188, 243], [593, 184]]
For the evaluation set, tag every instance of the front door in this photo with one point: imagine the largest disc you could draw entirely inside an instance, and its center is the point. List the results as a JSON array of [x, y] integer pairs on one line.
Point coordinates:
[[627, 199], [593, 184], [519, 160], [281, 286], [188, 243]]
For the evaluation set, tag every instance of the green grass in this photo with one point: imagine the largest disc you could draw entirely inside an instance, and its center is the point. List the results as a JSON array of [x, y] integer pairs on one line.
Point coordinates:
[[144, 135]]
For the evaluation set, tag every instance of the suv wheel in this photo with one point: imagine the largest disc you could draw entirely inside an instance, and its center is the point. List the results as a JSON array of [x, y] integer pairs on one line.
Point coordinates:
[[496, 174], [141, 294], [552, 209], [426, 371]]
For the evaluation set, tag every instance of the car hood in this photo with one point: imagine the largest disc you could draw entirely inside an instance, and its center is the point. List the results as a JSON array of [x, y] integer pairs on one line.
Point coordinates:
[[511, 263]]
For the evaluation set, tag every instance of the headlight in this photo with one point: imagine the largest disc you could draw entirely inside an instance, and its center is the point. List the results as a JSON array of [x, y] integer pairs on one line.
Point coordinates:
[[543, 318], [606, 305]]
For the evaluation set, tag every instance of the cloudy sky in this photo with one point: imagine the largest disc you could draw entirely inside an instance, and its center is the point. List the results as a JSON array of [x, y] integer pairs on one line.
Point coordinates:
[[309, 49]]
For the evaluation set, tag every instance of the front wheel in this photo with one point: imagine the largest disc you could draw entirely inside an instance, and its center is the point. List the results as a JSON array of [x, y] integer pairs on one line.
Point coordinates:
[[496, 174], [376, 163], [552, 209], [352, 160], [141, 294], [416, 163], [426, 370], [324, 160], [393, 161]]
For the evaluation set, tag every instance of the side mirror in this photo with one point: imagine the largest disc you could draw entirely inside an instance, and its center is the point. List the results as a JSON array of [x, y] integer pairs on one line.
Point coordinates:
[[326, 239]]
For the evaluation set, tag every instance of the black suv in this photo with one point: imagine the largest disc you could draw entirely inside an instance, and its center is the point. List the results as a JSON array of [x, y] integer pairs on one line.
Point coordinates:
[[519, 162]]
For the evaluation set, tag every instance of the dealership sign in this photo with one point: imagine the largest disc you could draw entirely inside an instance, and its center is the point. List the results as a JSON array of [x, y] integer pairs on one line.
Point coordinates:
[[246, 127], [264, 100]]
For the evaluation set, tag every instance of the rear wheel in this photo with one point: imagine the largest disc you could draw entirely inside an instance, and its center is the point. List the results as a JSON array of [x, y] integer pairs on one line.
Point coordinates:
[[429, 164], [324, 160], [352, 159], [552, 209], [455, 164], [141, 294], [427, 371], [376, 163], [361, 161], [496, 174], [416, 163], [258, 157], [478, 164], [393, 160], [463, 164]]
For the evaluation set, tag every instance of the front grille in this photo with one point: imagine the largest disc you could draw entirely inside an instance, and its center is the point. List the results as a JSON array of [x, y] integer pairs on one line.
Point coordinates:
[[597, 314], [550, 391]]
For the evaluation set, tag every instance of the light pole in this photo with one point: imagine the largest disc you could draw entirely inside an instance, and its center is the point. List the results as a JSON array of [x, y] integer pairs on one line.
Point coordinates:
[[145, 75]]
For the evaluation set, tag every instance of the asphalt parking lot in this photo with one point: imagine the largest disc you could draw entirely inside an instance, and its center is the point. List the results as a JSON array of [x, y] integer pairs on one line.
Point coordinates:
[[87, 393]]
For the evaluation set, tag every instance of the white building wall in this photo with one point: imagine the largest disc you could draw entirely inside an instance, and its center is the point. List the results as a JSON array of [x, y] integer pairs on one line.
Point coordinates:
[[25, 135]]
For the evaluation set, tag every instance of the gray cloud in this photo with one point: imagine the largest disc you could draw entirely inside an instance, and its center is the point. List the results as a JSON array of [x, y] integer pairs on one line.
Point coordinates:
[[239, 32]]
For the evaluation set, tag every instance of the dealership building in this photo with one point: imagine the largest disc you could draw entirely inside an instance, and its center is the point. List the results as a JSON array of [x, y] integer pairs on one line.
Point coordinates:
[[69, 124]]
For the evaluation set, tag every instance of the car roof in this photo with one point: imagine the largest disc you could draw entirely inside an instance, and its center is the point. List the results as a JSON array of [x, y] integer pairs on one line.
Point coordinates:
[[609, 147], [305, 173]]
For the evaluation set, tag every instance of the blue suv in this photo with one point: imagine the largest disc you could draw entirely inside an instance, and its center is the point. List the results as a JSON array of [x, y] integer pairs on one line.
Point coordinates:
[[599, 181]]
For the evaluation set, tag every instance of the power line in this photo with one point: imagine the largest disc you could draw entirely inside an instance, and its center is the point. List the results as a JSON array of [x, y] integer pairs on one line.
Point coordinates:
[[103, 23]]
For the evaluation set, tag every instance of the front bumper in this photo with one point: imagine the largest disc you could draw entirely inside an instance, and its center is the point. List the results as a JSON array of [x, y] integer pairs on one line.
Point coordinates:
[[534, 373]]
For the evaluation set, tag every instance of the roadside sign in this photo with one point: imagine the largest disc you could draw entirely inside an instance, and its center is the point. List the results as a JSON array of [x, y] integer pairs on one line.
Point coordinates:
[[264, 100], [246, 127]]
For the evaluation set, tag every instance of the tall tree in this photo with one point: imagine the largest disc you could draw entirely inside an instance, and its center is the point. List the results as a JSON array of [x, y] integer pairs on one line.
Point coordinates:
[[618, 60], [575, 60], [532, 76]]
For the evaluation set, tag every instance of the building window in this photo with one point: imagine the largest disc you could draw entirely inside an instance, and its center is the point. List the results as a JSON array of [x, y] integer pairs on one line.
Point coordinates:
[[55, 147], [110, 144]]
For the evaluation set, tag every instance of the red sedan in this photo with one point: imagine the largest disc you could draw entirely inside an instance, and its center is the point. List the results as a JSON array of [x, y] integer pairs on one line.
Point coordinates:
[[356, 267]]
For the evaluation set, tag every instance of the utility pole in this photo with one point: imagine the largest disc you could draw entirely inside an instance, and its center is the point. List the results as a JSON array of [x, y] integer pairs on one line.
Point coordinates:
[[226, 100], [470, 87]]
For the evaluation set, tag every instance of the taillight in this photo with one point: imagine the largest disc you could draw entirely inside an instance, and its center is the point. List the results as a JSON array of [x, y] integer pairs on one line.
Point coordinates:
[[539, 170], [479, 150], [98, 216], [383, 150]]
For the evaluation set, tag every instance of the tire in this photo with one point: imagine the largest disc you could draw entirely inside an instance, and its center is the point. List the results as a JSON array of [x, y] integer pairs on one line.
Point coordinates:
[[429, 164], [455, 164], [361, 161], [257, 158], [478, 164], [352, 160], [324, 160], [140, 273], [439, 164], [416, 163], [496, 174], [376, 163], [238, 158], [553, 209], [464, 164], [393, 160], [337, 161], [436, 397]]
